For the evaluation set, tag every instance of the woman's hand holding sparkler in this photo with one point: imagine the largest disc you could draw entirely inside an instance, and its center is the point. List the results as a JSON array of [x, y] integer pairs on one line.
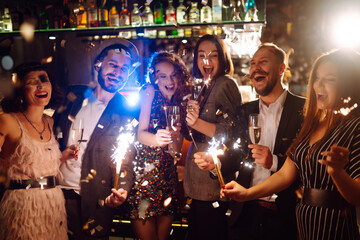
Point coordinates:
[[193, 115], [163, 137], [116, 198], [204, 161], [336, 159], [234, 191]]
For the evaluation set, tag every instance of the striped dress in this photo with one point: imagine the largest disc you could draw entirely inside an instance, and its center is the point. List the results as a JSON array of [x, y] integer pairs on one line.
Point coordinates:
[[320, 222]]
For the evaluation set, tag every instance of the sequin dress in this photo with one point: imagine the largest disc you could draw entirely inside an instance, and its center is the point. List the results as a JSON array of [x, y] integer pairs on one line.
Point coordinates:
[[33, 213], [154, 192]]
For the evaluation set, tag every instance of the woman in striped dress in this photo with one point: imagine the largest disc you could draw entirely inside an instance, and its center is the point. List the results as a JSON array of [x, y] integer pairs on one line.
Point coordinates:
[[325, 155]]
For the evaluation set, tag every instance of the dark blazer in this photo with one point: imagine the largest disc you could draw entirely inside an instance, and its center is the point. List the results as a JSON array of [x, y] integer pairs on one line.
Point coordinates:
[[290, 123], [223, 94], [97, 156]]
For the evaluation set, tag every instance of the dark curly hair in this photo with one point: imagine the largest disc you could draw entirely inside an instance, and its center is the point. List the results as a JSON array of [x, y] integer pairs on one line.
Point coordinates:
[[16, 102], [180, 69]]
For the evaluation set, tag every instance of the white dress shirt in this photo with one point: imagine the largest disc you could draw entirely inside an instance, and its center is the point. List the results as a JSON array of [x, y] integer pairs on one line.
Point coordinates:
[[89, 114], [269, 119]]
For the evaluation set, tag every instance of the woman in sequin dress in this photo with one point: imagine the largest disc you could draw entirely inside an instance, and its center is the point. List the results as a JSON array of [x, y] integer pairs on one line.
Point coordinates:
[[32, 207], [154, 199], [325, 155]]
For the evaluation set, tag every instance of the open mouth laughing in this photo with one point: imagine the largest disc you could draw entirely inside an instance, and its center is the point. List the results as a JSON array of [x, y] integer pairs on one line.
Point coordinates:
[[41, 94], [170, 87]]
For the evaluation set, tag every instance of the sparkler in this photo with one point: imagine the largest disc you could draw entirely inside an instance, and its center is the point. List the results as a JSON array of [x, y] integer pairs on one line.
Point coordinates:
[[125, 138], [214, 151], [346, 110]]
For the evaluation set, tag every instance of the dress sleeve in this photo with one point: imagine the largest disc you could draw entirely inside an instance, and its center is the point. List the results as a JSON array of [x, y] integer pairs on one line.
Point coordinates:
[[228, 99], [354, 158]]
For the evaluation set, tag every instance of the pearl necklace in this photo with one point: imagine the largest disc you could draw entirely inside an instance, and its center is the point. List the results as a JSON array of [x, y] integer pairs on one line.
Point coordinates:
[[39, 132]]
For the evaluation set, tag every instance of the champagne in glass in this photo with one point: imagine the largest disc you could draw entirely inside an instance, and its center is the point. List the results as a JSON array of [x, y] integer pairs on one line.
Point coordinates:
[[173, 117], [77, 131], [254, 128]]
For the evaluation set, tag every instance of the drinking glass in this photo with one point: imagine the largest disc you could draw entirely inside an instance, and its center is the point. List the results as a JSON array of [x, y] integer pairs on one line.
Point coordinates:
[[173, 117], [77, 132], [254, 128]]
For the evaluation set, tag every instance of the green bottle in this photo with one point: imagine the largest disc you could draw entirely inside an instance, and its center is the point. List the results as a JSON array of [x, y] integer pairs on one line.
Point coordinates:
[[158, 12]]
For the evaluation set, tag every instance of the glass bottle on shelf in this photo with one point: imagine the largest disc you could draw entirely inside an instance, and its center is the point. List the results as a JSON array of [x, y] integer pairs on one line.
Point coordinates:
[[125, 20], [81, 15], [170, 13], [237, 10], [227, 10], [158, 12], [103, 15], [194, 16], [1, 21], [7, 24], [181, 13], [124, 15], [205, 13], [216, 10], [135, 16], [251, 11], [147, 18], [113, 17], [93, 15]]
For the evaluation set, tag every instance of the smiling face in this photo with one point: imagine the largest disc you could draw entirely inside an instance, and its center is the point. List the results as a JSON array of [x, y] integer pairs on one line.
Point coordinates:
[[265, 71], [208, 59], [325, 85], [37, 88], [114, 71], [166, 79]]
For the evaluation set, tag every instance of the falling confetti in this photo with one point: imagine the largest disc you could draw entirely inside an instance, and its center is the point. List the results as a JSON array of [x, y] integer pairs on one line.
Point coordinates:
[[167, 202], [215, 204]]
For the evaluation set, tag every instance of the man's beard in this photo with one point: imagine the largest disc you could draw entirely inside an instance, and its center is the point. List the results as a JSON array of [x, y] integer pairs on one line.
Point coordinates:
[[268, 88], [111, 89]]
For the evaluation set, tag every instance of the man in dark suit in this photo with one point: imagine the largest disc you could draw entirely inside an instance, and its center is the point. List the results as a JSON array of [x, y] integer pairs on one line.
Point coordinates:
[[280, 117], [99, 113]]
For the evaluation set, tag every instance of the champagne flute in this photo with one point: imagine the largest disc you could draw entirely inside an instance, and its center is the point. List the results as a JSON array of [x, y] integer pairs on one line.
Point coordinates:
[[173, 117], [77, 132], [254, 128]]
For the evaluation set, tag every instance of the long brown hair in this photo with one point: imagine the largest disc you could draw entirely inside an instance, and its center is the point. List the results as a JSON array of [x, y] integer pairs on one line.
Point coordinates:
[[347, 63], [225, 63]]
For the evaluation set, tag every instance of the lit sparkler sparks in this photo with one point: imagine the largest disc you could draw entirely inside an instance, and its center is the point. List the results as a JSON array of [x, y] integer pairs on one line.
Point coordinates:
[[215, 151], [346, 110], [124, 140]]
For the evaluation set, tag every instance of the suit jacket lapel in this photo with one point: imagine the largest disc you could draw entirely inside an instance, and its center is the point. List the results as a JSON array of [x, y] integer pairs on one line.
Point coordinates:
[[284, 120], [105, 120]]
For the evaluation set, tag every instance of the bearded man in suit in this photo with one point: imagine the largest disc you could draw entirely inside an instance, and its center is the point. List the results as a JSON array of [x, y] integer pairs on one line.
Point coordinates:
[[101, 111]]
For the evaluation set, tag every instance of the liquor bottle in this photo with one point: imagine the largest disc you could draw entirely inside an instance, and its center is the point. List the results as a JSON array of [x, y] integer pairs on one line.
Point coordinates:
[[135, 16], [226, 10], [44, 20], [194, 16], [113, 17], [16, 18], [237, 10], [103, 14], [158, 12], [147, 18], [181, 13], [216, 10], [93, 14], [205, 14], [7, 24], [81, 15], [251, 11], [124, 15], [125, 20], [1, 21], [170, 14]]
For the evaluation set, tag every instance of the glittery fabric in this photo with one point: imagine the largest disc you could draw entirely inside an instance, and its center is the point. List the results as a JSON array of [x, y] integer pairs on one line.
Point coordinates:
[[154, 192]]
